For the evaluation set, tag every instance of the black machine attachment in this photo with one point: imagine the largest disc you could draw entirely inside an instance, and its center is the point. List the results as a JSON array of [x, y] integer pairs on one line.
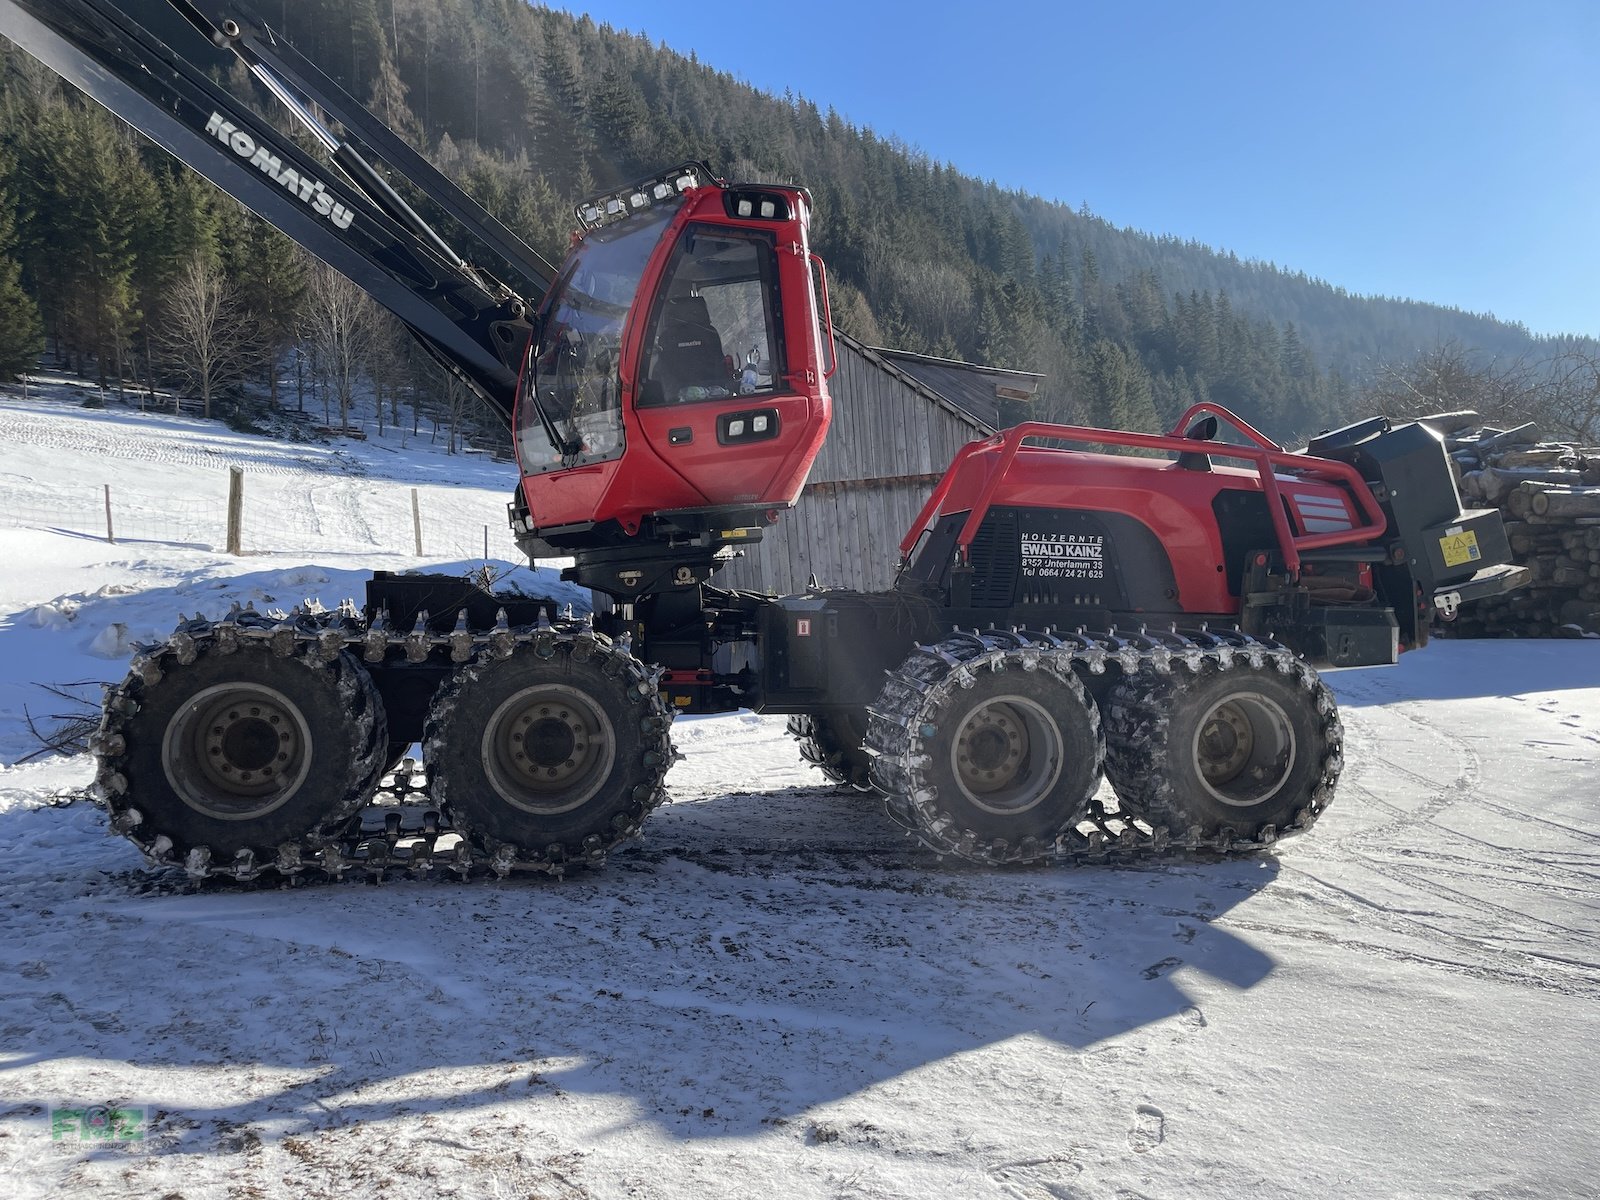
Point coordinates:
[[1361, 606], [1454, 554]]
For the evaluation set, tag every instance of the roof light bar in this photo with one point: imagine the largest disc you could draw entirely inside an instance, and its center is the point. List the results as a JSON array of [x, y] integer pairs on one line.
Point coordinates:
[[637, 197]]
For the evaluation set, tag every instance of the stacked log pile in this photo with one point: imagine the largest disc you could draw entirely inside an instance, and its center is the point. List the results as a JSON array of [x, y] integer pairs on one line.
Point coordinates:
[[1549, 495]]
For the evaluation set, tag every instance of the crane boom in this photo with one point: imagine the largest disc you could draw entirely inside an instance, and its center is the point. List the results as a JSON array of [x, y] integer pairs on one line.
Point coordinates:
[[155, 64]]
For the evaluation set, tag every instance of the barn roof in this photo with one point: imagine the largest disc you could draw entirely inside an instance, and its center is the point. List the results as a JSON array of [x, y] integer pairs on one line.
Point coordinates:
[[976, 390]]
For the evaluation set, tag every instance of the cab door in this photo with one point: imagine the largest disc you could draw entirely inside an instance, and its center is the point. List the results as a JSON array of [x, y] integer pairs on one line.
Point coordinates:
[[716, 394]]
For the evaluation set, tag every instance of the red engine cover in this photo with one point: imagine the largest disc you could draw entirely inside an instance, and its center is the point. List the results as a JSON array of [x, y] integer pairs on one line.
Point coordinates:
[[1174, 503]]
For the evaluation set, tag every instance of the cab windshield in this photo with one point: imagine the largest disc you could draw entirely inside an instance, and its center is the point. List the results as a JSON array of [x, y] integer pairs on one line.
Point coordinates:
[[572, 373]]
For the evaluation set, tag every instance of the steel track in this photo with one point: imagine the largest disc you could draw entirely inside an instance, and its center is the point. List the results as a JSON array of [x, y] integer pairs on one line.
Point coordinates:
[[406, 837], [421, 842], [1096, 834]]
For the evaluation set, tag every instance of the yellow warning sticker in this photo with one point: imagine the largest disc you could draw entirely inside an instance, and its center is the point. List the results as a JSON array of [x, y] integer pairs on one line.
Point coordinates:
[[1460, 548]]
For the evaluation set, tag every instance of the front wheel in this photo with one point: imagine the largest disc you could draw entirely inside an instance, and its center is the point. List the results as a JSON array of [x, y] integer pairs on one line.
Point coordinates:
[[550, 758]]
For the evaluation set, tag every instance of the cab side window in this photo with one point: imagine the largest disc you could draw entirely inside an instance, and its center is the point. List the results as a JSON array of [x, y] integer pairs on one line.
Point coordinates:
[[713, 333]]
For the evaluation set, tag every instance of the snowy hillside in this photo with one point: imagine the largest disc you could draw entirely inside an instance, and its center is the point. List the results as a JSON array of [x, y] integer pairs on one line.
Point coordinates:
[[773, 993]]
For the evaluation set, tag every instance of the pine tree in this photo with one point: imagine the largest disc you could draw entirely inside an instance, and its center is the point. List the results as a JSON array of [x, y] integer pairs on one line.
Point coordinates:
[[388, 101], [93, 197], [1122, 397], [21, 335], [181, 225], [618, 120], [560, 126]]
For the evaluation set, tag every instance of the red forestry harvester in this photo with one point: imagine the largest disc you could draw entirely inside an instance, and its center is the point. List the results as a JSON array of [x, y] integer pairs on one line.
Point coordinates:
[[1059, 613]]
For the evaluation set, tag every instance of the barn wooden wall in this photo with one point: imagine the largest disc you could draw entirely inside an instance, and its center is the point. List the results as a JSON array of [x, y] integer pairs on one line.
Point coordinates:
[[888, 444]]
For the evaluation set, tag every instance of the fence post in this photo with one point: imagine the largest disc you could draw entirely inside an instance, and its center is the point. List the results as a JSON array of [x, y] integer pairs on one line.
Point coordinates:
[[110, 537], [485, 543], [235, 510], [416, 521]]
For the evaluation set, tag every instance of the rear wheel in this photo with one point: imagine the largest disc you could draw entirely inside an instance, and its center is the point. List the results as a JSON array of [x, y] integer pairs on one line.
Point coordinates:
[[832, 741], [248, 750], [990, 745], [1241, 746], [557, 757]]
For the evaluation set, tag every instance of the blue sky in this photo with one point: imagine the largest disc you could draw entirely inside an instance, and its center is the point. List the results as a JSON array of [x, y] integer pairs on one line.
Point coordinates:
[[1447, 152]]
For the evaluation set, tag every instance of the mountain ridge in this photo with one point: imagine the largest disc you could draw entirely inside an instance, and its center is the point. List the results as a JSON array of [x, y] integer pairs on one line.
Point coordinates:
[[530, 109]]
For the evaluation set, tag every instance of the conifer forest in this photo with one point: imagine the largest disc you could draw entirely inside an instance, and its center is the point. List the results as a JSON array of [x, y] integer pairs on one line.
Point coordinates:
[[117, 262]]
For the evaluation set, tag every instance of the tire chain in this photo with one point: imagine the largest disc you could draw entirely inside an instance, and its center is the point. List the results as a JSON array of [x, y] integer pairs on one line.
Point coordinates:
[[346, 846], [1112, 838], [932, 673], [819, 750]]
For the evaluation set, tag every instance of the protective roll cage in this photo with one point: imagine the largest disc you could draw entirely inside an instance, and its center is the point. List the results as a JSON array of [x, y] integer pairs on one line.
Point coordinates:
[[1259, 452]]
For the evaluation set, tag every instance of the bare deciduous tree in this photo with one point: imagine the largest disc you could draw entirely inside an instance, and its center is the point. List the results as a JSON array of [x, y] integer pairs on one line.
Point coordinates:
[[1451, 376], [392, 368], [1574, 396], [1560, 391], [204, 334], [343, 326]]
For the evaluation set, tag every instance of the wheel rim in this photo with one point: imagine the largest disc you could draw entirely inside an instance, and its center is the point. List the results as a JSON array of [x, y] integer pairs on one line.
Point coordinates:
[[548, 749], [1244, 749], [1007, 754], [237, 751]]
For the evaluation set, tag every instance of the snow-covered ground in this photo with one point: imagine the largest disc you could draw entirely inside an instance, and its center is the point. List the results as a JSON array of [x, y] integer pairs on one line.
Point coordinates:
[[774, 993]]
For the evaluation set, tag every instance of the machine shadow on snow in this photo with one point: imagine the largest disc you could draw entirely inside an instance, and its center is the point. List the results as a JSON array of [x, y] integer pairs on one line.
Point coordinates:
[[715, 989]]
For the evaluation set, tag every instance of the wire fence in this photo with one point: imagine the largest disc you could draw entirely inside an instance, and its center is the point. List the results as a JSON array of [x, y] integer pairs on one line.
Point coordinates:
[[98, 512], [423, 522]]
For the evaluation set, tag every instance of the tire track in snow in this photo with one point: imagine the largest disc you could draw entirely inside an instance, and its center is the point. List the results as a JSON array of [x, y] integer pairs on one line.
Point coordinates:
[[355, 518], [1473, 795], [1446, 908], [1525, 863], [114, 439], [1466, 786], [1537, 976], [1528, 869], [1441, 796]]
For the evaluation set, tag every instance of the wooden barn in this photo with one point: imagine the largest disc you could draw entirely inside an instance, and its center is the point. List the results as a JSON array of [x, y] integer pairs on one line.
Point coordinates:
[[898, 420]]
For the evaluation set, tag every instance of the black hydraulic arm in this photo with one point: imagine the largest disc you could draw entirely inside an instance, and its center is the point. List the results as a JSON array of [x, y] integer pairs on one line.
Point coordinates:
[[155, 64]]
